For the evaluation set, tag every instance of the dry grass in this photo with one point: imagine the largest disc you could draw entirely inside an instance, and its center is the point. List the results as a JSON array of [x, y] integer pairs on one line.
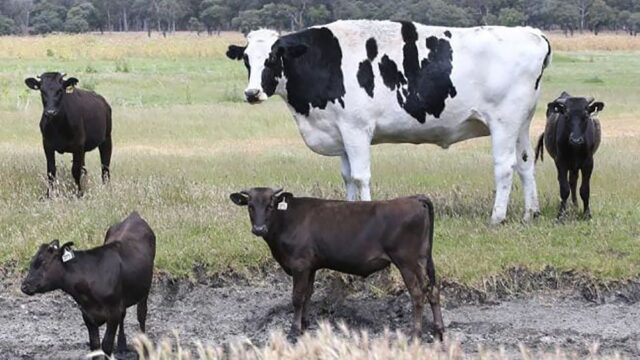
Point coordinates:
[[590, 42], [95, 46], [342, 343]]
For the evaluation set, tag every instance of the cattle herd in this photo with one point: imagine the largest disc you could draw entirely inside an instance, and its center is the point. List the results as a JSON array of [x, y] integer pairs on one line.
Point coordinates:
[[348, 85]]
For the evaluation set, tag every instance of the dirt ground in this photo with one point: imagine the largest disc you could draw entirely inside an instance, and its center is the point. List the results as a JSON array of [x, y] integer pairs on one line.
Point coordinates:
[[217, 312]]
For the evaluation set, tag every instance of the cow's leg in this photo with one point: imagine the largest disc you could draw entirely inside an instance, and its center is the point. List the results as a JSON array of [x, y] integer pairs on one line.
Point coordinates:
[[105, 159], [410, 275], [300, 289], [307, 301], [94, 333], [526, 170], [504, 160], [564, 187], [433, 294], [573, 183], [359, 153], [585, 187], [109, 335], [77, 169], [122, 340], [350, 185], [141, 309], [50, 154]]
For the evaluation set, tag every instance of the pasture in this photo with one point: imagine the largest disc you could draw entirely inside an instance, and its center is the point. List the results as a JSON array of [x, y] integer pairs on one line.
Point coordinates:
[[184, 140]]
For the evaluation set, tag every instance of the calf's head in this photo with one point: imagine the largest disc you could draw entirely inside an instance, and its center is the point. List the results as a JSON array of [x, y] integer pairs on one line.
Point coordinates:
[[52, 86], [577, 113], [265, 57], [262, 204], [46, 269]]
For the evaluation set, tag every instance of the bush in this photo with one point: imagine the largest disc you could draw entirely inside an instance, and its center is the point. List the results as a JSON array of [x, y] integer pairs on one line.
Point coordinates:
[[7, 26]]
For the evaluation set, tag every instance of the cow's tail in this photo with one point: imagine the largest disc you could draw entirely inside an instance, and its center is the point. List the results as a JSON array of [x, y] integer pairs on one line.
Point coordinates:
[[428, 204], [540, 148]]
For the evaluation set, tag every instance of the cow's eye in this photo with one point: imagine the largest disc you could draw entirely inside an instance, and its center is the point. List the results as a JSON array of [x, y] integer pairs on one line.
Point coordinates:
[[251, 208]]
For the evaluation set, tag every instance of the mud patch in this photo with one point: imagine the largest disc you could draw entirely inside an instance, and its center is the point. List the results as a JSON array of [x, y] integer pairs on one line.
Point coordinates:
[[217, 312]]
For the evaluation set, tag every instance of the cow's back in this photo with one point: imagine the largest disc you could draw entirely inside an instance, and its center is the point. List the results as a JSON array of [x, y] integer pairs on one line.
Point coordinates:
[[458, 74], [137, 247], [91, 113]]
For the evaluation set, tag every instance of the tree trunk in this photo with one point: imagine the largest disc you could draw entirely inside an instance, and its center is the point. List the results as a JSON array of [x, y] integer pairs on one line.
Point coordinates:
[[125, 23]]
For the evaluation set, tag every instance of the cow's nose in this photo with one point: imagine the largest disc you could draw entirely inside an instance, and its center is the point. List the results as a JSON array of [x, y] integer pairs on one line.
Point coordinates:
[[252, 95], [576, 140], [259, 230], [51, 113], [26, 289]]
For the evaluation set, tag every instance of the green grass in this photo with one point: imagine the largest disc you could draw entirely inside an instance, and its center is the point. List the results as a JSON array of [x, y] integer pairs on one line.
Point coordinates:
[[184, 141]]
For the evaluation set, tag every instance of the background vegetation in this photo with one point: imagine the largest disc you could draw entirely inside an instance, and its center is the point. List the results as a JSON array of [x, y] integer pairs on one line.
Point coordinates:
[[166, 16], [184, 140]]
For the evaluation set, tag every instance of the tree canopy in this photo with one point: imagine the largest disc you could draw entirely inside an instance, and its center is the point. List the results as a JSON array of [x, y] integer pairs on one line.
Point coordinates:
[[74, 16]]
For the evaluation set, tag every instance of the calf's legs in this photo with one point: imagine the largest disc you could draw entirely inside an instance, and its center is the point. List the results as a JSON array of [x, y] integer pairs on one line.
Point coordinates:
[[307, 300], [564, 188], [587, 169], [141, 309], [77, 169], [122, 340], [300, 292], [105, 159], [51, 168], [94, 333], [109, 335], [433, 294]]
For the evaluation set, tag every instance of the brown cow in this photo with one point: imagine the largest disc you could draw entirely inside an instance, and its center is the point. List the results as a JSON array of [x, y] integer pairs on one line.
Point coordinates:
[[360, 238]]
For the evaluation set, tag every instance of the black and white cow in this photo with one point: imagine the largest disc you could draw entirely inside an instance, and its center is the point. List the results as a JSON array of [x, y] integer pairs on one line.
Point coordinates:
[[350, 84]]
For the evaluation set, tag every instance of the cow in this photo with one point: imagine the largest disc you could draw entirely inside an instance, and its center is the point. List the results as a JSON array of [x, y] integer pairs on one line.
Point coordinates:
[[103, 281], [572, 136], [351, 84], [360, 238], [73, 121]]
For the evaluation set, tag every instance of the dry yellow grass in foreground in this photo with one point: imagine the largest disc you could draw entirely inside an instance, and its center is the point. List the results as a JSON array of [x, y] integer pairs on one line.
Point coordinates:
[[343, 344]]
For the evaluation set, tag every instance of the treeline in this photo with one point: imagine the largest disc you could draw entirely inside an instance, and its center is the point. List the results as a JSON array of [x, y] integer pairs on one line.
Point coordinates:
[[166, 16]]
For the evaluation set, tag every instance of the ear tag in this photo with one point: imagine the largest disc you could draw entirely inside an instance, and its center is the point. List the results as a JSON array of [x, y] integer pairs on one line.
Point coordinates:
[[67, 255], [282, 206], [70, 89]]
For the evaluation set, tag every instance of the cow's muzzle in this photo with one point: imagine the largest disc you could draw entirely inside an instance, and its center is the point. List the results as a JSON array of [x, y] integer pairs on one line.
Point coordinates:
[[253, 96], [27, 288], [259, 230], [50, 113], [576, 140]]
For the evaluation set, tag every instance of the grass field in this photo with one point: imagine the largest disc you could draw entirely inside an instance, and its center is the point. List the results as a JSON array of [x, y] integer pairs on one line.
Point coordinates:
[[184, 140]]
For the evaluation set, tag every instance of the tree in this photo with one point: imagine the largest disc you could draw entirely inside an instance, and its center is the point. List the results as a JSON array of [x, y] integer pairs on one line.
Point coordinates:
[[510, 17], [214, 14], [7, 25], [195, 25], [601, 15], [78, 18], [48, 17]]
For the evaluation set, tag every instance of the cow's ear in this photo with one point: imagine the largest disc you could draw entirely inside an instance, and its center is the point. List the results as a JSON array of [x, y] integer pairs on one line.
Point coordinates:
[[235, 52], [596, 106], [294, 51], [32, 83], [285, 196], [239, 199], [556, 107], [55, 244], [67, 245], [70, 82]]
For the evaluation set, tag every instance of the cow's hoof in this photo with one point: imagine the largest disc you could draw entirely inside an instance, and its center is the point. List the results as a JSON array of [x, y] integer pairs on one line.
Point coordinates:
[[586, 216], [293, 335]]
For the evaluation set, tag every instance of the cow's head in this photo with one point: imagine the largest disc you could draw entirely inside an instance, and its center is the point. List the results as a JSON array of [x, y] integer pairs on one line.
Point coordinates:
[[47, 269], [577, 112], [264, 56], [53, 87], [262, 204]]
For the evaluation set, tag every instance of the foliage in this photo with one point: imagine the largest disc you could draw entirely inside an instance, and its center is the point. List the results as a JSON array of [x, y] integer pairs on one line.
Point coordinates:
[[43, 16]]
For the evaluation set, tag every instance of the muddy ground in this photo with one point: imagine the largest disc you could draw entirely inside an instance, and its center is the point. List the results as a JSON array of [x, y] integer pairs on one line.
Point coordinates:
[[220, 311]]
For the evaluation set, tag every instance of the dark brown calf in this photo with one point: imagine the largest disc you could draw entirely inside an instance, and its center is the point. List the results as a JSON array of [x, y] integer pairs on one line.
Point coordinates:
[[307, 234], [103, 281], [572, 136]]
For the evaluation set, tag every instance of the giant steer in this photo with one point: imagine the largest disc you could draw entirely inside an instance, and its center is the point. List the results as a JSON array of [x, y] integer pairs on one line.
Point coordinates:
[[351, 84]]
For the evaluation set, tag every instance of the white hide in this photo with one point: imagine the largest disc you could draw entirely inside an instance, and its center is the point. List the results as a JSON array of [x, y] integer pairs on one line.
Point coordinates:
[[494, 72]]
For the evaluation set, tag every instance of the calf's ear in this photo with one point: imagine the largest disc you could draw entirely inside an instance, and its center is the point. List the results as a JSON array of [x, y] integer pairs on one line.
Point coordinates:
[[55, 244], [596, 106], [67, 245], [556, 107], [32, 83], [239, 199], [70, 82], [235, 52], [285, 196]]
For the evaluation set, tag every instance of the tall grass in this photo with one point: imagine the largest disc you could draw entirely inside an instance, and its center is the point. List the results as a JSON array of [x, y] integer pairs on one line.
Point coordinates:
[[343, 344]]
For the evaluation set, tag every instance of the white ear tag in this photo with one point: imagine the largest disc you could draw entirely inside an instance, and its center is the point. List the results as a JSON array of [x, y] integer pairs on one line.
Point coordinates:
[[69, 89], [282, 206], [67, 255]]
